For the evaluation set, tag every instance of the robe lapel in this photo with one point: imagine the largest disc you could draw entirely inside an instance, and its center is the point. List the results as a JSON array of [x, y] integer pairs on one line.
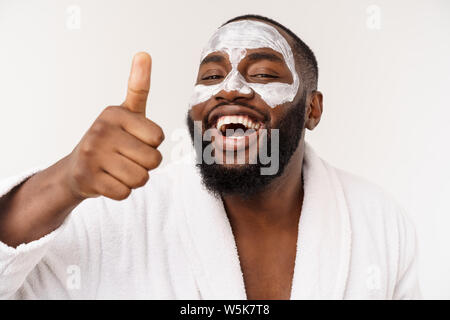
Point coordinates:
[[208, 239], [323, 245], [324, 237]]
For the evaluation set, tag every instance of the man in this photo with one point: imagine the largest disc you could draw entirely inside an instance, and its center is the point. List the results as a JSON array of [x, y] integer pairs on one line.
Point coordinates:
[[261, 217]]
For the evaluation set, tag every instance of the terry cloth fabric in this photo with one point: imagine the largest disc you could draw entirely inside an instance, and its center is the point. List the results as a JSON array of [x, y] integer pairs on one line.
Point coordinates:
[[171, 239]]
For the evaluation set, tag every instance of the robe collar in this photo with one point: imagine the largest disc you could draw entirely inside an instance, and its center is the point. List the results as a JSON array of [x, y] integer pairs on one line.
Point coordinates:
[[323, 245]]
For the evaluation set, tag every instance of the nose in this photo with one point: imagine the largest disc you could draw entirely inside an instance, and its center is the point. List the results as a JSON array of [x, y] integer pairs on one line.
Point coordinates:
[[233, 95], [234, 88]]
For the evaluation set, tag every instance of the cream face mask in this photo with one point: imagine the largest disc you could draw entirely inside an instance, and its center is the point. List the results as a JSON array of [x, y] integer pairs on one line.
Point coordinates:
[[233, 39]]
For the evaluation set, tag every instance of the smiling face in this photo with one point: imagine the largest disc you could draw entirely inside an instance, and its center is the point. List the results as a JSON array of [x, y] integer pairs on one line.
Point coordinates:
[[248, 80], [247, 68]]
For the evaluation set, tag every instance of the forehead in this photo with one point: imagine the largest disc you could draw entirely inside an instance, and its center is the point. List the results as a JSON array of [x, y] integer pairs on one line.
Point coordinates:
[[247, 34]]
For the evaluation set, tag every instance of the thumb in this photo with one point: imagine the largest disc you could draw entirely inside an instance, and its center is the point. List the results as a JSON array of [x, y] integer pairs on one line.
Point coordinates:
[[139, 83]]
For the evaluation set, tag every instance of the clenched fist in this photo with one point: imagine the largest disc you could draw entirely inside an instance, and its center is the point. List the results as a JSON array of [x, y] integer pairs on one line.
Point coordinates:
[[118, 150]]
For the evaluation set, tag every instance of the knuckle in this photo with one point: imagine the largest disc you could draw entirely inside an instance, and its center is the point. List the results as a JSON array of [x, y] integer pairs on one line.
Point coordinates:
[[111, 113], [99, 128], [157, 159], [110, 110], [87, 147], [159, 135], [122, 193], [153, 160], [142, 179]]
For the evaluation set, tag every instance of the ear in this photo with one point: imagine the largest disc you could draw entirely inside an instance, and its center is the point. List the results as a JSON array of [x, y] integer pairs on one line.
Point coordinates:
[[314, 110]]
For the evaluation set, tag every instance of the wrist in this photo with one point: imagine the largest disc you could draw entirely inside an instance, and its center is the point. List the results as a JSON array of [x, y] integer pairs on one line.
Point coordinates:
[[64, 185]]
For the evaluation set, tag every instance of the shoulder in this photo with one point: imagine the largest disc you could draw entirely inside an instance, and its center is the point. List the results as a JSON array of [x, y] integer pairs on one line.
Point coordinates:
[[369, 198], [374, 210], [364, 192], [383, 235]]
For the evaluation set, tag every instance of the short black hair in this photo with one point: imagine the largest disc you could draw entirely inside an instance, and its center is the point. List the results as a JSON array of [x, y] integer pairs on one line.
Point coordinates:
[[309, 71]]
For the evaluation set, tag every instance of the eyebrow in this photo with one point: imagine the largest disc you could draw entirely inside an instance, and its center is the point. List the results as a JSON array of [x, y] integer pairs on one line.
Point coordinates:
[[212, 58], [252, 57], [264, 56]]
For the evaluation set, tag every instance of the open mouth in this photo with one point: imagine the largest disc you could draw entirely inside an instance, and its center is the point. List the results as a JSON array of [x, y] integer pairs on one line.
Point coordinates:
[[238, 131], [237, 125]]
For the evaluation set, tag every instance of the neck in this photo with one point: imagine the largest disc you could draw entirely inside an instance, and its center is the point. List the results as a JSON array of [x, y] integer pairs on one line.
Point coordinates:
[[278, 205]]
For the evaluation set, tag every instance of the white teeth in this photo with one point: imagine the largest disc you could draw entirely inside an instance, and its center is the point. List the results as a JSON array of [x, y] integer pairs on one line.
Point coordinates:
[[219, 124], [238, 119]]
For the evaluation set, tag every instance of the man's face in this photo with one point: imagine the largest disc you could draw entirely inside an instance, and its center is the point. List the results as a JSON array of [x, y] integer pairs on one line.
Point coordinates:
[[247, 85]]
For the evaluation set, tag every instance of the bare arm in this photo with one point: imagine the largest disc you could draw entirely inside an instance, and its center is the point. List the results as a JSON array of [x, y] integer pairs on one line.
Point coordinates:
[[112, 158], [36, 207]]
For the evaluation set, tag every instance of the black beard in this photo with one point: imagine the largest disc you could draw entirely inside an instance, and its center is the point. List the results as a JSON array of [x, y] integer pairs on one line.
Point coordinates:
[[246, 180]]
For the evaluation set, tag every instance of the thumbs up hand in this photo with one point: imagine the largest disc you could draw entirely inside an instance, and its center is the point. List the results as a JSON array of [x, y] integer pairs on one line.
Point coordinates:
[[120, 148]]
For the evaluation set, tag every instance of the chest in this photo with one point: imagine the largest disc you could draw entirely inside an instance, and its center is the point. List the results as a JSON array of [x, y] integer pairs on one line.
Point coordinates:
[[267, 265]]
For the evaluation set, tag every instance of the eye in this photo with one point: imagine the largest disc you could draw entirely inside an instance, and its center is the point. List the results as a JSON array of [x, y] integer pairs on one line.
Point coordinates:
[[213, 77], [264, 75]]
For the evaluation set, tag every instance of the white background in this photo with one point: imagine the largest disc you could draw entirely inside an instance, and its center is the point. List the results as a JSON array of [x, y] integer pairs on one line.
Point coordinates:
[[385, 80]]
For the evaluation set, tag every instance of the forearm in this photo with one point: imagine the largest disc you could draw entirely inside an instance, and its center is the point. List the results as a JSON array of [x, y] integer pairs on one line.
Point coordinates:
[[36, 207]]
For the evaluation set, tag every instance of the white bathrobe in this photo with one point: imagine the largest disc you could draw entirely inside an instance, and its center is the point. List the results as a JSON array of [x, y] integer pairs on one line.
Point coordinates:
[[172, 240]]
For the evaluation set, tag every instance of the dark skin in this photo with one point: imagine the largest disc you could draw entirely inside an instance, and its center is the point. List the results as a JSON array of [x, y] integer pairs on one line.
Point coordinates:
[[120, 149], [266, 225]]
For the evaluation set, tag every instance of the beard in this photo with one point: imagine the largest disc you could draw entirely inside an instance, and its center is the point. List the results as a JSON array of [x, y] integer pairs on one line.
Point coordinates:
[[246, 180]]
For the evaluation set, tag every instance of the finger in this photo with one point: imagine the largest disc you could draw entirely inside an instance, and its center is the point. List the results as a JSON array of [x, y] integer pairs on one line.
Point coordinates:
[[142, 128], [110, 187], [137, 151], [139, 83], [126, 171], [145, 130]]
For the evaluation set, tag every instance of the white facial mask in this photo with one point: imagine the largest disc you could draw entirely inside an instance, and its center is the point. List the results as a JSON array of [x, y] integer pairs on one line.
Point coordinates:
[[233, 39]]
